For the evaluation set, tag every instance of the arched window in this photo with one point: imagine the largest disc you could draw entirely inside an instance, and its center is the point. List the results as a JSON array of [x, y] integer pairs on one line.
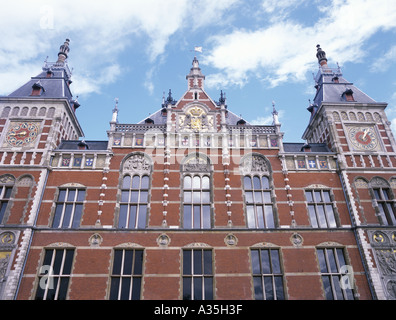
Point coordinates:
[[134, 192], [258, 201], [196, 192], [134, 201], [196, 202]]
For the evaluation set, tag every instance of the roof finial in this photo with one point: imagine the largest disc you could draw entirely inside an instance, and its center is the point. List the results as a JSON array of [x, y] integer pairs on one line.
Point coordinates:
[[63, 51], [222, 99], [321, 55], [275, 115], [115, 111]]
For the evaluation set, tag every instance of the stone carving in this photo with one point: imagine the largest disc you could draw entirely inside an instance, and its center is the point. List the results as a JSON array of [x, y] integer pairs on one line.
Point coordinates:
[[163, 240], [196, 120], [297, 240], [4, 260], [137, 163], [254, 164], [384, 245], [391, 288], [231, 240], [95, 240], [7, 179], [196, 164], [379, 182], [361, 183], [387, 261], [197, 245], [7, 238]]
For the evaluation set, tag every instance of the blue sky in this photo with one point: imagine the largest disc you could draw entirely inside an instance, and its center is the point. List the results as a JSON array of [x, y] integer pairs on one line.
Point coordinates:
[[257, 51]]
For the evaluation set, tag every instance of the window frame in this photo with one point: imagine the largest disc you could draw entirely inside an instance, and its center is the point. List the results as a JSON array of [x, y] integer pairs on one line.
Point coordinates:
[[132, 276], [331, 222], [6, 190], [265, 275], [65, 203], [189, 277], [52, 277], [203, 224], [384, 206], [331, 274], [138, 204], [263, 219]]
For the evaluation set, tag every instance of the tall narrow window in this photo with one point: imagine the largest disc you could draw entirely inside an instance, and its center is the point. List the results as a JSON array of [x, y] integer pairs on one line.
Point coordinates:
[[55, 274], [126, 277], [385, 206], [134, 201], [332, 267], [197, 274], [69, 207], [259, 207], [196, 202], [5, 195], [267, 275], [320, 209]]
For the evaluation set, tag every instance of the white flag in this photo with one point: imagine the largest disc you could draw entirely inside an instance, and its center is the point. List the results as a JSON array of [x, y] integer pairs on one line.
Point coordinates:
[[198, 49]]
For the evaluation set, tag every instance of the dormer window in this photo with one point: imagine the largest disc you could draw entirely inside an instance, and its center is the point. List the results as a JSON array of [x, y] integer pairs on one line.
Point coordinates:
[[306, 148], [37, 89], [241, 122], [348, 95], [336, 79], [164, 112], [149, 121], [82, 145]]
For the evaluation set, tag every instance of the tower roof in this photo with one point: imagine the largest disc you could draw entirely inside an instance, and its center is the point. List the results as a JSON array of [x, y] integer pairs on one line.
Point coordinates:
[[54, 80], [195, 77], [331, 86]]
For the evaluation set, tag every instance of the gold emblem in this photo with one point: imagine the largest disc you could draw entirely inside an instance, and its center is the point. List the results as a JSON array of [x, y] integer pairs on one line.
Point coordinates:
[[196, 115]]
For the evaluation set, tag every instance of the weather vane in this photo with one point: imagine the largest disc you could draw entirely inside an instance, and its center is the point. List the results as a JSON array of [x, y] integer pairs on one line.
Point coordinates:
[[197, 49]]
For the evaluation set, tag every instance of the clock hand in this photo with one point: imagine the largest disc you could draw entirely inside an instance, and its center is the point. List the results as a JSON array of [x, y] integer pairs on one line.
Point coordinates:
[[365, 133]]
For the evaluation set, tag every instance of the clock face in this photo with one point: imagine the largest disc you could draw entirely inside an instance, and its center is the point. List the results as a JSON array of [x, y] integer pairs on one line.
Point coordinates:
[[22, 133], [363, 138]]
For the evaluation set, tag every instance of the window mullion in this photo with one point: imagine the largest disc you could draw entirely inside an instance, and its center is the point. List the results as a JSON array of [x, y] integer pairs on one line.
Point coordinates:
[[49, 280]]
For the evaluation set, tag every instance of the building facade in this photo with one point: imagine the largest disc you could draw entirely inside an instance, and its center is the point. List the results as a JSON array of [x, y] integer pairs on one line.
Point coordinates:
[[194, 202]]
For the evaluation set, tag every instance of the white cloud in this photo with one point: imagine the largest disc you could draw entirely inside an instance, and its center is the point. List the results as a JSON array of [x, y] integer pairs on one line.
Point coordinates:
[[268, 120], [382, 63], [281, 51], [96, 27], [262, 121]]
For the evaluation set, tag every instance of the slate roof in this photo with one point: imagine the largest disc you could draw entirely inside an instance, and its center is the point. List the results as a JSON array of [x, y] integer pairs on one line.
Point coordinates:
[[330, 91], [158, 118], [54, 87], [296, 147], [74, 145]]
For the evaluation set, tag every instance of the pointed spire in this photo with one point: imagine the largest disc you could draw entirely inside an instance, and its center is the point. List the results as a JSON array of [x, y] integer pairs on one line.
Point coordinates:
[[195, 77], [63, 52], [115, 112], [275, 115], [222, 100], [170, 100], [321, 55]]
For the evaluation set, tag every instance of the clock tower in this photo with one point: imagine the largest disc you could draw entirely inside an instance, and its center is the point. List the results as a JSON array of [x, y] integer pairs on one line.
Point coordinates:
[[34, 119], [356, 128], [346, 118]]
